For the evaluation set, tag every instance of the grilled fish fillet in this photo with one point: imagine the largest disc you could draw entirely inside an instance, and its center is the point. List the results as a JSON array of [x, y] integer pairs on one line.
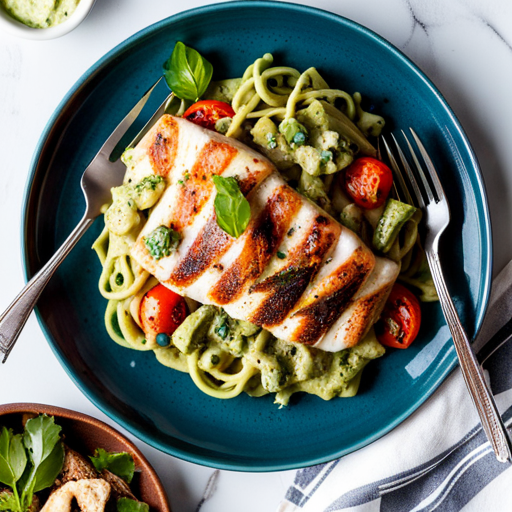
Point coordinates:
[[294, 271]]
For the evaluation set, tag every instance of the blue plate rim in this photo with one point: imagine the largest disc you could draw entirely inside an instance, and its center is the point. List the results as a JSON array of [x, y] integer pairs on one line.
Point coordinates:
[[104, 62]]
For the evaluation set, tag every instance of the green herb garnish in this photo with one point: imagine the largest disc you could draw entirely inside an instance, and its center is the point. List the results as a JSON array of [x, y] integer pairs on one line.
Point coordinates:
[[281, 255], [148, 183], [129, 505], [162, 241], [121, 464], [271, 140], [287, 275], [294, 132], [29, 462], [231, 207], [222, 331], [187, 73], [325, 156]]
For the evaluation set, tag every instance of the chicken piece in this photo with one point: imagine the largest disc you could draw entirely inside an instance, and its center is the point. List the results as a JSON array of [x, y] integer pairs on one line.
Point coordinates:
[[91, 496], [294, 271]]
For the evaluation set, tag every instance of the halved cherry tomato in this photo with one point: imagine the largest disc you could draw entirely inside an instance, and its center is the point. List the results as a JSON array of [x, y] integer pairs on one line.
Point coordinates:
[[162, 311], [368, 182], [400, 321], [207, 112]]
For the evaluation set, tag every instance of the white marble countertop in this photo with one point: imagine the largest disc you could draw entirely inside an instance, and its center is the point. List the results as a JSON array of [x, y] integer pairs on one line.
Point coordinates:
[[464, 46]]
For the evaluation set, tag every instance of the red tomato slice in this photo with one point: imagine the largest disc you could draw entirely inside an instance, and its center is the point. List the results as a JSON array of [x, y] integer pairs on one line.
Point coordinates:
[[400, 320], [368, 182], [162, 310], [207, 112]]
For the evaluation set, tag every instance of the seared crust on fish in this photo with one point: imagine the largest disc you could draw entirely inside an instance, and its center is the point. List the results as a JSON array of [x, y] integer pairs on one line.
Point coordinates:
[[295, 270]]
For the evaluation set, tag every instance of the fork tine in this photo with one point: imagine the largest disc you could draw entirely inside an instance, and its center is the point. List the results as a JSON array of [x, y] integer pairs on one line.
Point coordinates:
[[390, 156], [159, 112], [430, 166], [398, 174], [410, 175], [421, 174], [123, 126]]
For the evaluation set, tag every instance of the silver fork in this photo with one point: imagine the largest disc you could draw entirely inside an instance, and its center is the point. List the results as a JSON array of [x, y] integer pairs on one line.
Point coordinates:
[[437, 217], [97, 180]]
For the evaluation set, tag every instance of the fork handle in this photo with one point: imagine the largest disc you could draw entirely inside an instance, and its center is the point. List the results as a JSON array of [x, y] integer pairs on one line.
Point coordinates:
[[490, 417], [16, 315]]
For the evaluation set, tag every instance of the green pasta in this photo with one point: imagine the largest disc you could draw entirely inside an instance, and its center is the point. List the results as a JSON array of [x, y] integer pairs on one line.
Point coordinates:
[[311, 132]]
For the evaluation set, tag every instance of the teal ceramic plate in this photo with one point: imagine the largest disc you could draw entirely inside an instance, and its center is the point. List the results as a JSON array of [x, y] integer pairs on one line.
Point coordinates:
[[163, 407]]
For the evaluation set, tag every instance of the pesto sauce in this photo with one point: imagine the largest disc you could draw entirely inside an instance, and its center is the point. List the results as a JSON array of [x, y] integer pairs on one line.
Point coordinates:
[[40, 13]]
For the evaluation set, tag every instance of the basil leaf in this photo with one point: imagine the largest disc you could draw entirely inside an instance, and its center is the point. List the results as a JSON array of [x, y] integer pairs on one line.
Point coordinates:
[[232, 209], [41, 436], [187, 73], [49, 469], [121, 464]]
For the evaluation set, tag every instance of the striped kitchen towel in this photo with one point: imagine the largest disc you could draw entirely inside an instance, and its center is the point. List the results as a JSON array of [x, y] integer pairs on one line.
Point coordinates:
[[438, 459]]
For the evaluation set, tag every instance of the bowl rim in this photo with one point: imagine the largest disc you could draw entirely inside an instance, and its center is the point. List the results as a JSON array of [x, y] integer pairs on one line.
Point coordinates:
[[56, 411], [19, 29], [95, 70]]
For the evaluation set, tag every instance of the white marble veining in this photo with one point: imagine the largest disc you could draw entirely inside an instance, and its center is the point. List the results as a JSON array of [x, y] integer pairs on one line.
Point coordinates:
[[464, 46]]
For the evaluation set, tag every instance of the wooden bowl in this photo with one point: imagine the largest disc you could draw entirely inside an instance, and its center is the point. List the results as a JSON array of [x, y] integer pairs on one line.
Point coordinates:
[[84, 434]]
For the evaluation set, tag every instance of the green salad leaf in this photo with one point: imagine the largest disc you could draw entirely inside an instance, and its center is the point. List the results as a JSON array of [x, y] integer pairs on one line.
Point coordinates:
[[29, 462], [187, 73], [232, 209], [41, 436], [48, 470], [8, 501], [13, 458], [121, 464], [129, 505], [46, 453]]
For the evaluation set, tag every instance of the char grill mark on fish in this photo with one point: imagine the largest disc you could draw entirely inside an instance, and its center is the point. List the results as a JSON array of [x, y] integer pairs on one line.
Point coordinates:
[[197, 186], [287, 286], [209, 246], [261, 241], [365, 312], [319, 316], [162, 152]]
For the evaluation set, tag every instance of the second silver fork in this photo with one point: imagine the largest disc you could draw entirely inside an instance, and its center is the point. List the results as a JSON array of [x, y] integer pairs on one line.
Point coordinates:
[[100, 176], [433, 202]]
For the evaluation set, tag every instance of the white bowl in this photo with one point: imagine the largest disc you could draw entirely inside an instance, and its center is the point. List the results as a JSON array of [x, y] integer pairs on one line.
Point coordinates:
[[16, 28]]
